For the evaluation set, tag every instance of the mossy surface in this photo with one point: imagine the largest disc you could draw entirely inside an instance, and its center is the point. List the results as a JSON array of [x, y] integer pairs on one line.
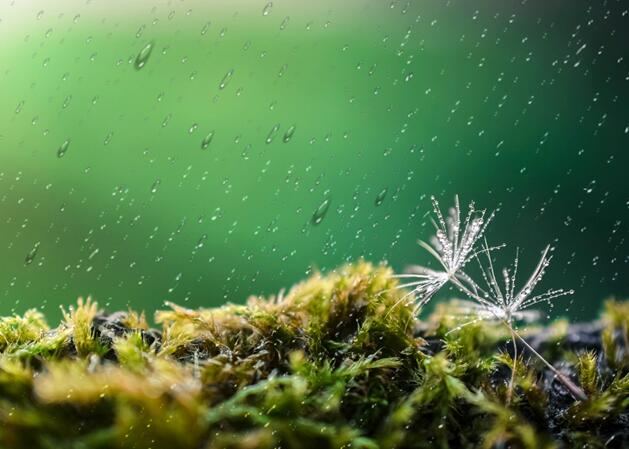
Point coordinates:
[[340, 361]]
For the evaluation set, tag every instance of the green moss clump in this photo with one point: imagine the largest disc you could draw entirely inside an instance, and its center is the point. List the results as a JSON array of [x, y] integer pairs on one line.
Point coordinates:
[[341, 361]]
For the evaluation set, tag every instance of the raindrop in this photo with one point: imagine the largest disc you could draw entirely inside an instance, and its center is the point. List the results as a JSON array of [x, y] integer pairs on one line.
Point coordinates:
[[381, 196], [201, 241], [267, 9], [30, 257], [288, 135], [155, 185], [143, 56], [272, 133], [321, 212], [284, 23], [205, 143], [226, 79], [63, 148]]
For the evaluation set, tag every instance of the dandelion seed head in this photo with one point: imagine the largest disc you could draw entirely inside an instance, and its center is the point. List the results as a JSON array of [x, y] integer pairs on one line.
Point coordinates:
[[452, 245]]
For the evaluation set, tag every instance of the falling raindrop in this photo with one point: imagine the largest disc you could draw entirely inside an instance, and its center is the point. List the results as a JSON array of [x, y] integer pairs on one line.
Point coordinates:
[[205, 143], [66, 102], [143, 56], [288, 135], [201, 241], [30, 257], [226, 79], [155, 185], [63, 148], [321, 212], [272, 133], [381, 196], [267, 9]]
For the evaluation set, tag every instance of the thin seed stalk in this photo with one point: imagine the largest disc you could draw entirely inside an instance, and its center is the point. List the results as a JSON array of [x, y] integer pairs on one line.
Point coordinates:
[[514, 367], [574, 390]]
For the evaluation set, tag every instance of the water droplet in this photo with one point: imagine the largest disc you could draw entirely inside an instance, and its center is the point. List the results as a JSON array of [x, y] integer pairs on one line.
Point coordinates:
[[201, 241], [226, 79], [272, 133], [381, 196], [155, 185], [321, 212], [205, 143], [267, 9], [288, 135], [63, 148], [142, 57], [66, 102], [30, 257]]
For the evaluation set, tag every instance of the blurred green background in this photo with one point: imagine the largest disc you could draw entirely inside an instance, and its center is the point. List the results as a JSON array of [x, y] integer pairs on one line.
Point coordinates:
[[177, 150]]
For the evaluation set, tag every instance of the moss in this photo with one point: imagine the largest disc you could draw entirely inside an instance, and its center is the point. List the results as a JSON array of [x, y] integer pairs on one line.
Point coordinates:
[[340, 361]]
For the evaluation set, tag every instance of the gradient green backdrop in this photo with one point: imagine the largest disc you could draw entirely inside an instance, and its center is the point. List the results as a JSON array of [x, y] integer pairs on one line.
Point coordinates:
[[522, 106]]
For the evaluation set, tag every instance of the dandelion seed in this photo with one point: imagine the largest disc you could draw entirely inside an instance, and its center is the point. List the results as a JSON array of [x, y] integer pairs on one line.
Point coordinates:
[[494, 303], [452, 246], [504, 303]]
